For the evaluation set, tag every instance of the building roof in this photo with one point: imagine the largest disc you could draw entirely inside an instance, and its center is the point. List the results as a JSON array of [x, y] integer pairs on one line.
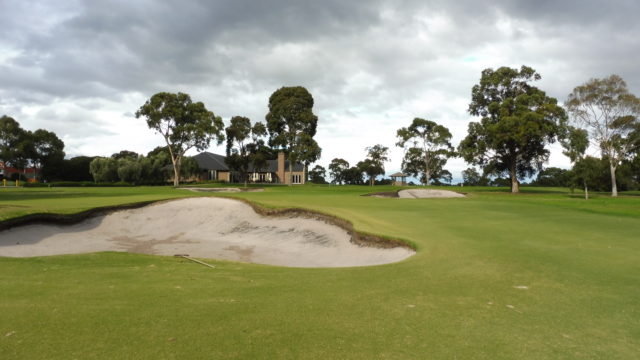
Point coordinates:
[[211, 161], [399, 174]]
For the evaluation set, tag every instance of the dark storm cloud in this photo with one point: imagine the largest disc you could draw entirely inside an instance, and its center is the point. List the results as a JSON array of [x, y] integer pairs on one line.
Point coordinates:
[[102, 48]]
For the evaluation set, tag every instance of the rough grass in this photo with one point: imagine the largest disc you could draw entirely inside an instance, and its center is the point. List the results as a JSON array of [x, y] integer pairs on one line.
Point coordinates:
[[540, 275]]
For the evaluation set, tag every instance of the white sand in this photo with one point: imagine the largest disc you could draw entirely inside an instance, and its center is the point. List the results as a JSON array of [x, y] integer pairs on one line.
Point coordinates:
[[202, 227], [427, 193]]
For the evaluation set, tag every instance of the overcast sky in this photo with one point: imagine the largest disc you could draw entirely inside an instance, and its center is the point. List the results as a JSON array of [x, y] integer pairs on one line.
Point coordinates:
[[82, 68]]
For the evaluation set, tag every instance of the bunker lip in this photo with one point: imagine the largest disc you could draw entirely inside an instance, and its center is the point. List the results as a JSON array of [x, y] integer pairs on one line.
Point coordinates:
[[301, 230]]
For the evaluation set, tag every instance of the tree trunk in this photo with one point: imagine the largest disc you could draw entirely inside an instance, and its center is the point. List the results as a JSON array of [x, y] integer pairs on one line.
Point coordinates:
[[515, 185], [176, 172], [586, 191], [427, 172], [614, 187]]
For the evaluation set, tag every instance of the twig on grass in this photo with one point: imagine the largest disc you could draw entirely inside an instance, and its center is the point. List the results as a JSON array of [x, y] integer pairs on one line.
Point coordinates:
[[186, 256]]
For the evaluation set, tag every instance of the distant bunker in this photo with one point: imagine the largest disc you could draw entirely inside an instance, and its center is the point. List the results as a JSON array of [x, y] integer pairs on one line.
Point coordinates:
[[418, 194], [214, 228]]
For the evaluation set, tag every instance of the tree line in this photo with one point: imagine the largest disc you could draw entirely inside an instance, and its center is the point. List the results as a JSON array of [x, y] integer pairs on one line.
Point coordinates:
[[518, 122]]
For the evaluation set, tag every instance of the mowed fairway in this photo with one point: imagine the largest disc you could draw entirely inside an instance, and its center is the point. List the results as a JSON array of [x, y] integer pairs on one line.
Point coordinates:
[[540, 275]]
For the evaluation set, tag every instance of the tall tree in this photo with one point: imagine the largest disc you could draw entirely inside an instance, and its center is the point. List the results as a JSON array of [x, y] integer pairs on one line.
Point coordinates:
[[471, 177], [317, 175], [183, 124], [575, 144], [373, 165], [371, 168], [11, 135], [243, 145], [337, 169], [610, 113], [428, 141], [518, 121], [292, 124], [48, 151]]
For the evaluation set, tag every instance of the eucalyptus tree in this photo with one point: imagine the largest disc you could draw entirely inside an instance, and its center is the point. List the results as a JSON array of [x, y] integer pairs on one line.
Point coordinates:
[[11, 135], [373, 165], [518, 121], [610, 113], [47, 150], [337, 169], [575, 144], [427, 147], [183, 124], [243, 145], [317, 175], [292, 125]]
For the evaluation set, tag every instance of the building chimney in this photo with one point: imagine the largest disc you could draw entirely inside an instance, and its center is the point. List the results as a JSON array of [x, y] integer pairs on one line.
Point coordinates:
[[281, 175]]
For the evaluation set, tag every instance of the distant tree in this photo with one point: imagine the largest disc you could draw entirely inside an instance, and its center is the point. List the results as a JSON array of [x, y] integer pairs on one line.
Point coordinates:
[[129, 169], [471, 177], [552, 176], [586, 170], [309, 151], [75, 169], [337, 169], [353, 176], [427, 141], [47, 151], [24, 152], [610, 113], [183, 124], [244, 144], [317, 175], [292, 124], [104, 169], [371, 168], [125, 154], [373, 165], [444, 177], [413, 165], [575, 144], [189, 168], [518, 121], [11, 137]]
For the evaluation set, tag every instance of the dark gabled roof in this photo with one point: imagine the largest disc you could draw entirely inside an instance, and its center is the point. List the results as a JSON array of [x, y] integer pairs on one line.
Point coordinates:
[[210, 161], [272, 166]]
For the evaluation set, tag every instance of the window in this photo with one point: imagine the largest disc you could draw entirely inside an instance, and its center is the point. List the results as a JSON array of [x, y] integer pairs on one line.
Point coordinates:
[[296, 179]]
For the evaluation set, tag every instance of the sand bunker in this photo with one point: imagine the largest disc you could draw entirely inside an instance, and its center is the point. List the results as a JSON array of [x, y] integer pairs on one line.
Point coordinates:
[[202, 227], [427, 193], [418, 194]]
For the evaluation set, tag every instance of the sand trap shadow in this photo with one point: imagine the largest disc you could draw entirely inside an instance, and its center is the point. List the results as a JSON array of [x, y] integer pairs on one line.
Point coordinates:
[[213, 228]]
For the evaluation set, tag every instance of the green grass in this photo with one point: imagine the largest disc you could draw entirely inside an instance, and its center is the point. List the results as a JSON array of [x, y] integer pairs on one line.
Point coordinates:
[[457, 298]]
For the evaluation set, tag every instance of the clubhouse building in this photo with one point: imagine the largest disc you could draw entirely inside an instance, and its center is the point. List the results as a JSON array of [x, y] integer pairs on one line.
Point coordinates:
[[213, 167]]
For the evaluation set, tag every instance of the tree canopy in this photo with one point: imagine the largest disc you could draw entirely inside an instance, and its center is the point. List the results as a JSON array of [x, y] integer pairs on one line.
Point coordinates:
[[373, 165], [517, 122], [427, 148], [292, 125], [244, 145], [337, 169], [183, 124], [610, 113]]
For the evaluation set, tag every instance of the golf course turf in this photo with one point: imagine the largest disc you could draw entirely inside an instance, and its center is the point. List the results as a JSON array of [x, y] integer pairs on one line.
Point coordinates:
[[538, 275]]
